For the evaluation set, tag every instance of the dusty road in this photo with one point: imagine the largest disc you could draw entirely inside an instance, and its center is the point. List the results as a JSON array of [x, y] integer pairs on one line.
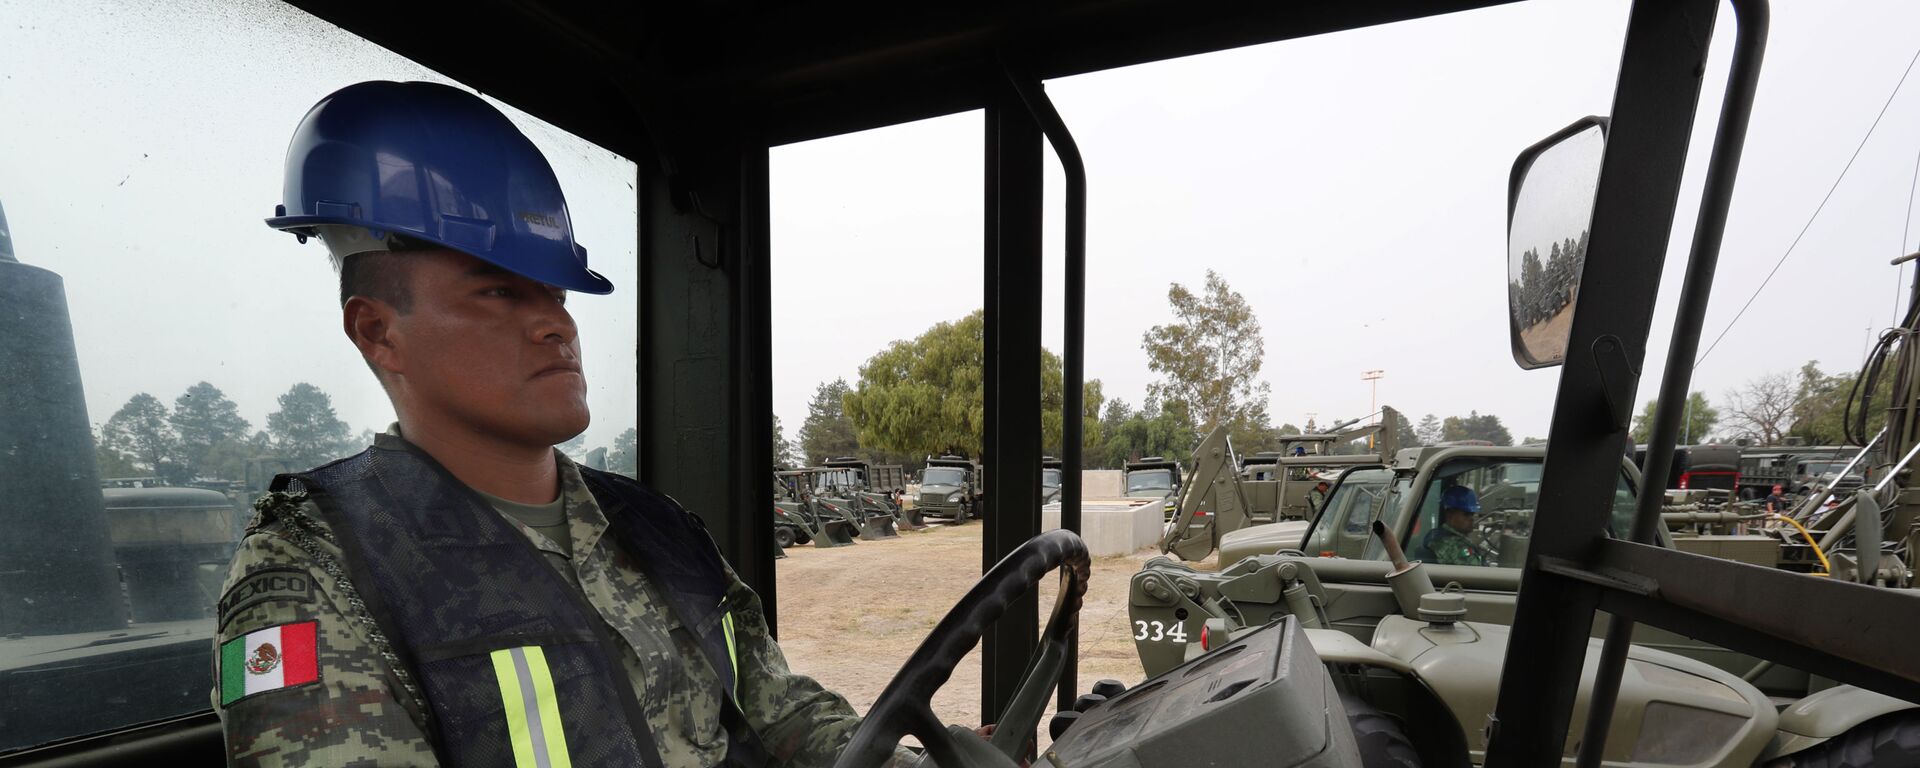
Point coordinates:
[[850, 616]]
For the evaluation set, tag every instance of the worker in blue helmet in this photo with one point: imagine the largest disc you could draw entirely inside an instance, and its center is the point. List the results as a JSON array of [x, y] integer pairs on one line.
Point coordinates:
[[461, 593], [1449, 541]]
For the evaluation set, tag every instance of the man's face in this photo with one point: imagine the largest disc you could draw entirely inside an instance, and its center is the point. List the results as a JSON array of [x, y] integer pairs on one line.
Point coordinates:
[[1459, 520], [487, 350]]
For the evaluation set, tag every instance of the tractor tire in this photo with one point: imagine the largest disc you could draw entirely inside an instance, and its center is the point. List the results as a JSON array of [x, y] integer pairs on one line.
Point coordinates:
[[1383, 742], [801, 537], [784, 536], [1883, 742]]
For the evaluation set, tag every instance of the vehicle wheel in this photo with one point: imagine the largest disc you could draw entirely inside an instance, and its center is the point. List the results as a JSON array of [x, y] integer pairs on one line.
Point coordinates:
[[1882, 742], [1383, 742], [801, 537], [784, 536]]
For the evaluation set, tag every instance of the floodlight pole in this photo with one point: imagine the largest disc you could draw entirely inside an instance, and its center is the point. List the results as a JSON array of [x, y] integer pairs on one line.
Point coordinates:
[[1373, 401]]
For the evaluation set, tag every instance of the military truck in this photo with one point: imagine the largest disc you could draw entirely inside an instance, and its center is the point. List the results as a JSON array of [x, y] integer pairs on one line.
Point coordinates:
[[1050, 468], [1424, 658], [873, 488], [1152, 477], [1219, 500], [1796, 469], [1345, 572], [842, 491], [798, 517], [949, 488]]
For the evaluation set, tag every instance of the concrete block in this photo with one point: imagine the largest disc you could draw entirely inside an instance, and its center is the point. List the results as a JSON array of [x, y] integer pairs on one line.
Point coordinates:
[[1101, 484], [1113, 526]]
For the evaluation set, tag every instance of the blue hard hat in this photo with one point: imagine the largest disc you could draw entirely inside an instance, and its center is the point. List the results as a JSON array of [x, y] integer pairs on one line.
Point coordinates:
[[432, 163], [1461, 498]]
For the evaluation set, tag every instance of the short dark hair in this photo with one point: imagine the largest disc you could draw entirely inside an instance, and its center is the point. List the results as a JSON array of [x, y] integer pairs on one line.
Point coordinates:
[[380, 275]]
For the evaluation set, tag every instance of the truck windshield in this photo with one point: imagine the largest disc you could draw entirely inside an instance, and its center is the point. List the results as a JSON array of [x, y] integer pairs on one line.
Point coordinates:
[[1150, 480], [1506, 491], [944, 476], [1050, 478], [1351, 509]]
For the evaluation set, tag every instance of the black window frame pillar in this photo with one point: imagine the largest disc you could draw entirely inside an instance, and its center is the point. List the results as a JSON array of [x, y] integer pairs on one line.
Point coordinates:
[[1011, 449], [705, 432]]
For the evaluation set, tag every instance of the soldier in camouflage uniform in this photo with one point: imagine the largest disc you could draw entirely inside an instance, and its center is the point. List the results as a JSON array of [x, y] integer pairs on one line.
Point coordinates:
[[480, 360], [1449, 541]]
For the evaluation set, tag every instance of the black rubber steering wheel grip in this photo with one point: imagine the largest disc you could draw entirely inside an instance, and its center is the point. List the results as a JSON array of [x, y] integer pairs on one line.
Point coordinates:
[[906, 704]]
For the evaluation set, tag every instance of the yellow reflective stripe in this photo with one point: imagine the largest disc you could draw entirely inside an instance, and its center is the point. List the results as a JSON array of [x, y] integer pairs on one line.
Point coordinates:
[[733, 656], [531, 708]]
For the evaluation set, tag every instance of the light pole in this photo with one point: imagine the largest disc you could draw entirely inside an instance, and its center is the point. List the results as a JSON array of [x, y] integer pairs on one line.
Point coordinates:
[[1373, 401]]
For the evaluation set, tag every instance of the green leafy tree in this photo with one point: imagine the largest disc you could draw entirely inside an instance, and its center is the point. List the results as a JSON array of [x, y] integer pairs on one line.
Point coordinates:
[[1155, 430], [109, 462], [1475, 426], [576, 447], [927, 395], [211, 432], [141, 432], [625, 457], [782, 448], [1695, 425], [306, 430], [1429, 430], [1053, 399], [1405, 434], [1209, 358], [828, 432]]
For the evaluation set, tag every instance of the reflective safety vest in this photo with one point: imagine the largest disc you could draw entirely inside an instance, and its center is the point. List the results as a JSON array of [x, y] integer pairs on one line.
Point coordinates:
[[517, 668]]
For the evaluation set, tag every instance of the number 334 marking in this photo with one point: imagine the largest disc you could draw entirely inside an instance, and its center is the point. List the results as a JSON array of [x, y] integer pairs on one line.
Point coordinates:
[[1154, 631]]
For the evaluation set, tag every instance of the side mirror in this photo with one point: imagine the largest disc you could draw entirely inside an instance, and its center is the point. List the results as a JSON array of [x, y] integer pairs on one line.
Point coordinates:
[[1549, 210]]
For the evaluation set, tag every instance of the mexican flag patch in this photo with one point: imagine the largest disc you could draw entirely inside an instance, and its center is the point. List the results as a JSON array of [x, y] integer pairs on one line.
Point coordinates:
[[267, 660]]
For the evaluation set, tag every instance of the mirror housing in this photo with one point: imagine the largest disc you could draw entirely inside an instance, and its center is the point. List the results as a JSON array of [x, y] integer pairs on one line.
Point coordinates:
[[1550, 198]]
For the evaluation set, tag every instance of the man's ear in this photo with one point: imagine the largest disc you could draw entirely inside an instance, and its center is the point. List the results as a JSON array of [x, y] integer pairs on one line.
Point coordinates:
[[369, 324]]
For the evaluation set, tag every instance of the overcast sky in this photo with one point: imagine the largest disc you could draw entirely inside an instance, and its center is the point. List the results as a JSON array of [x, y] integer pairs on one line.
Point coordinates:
[[1352, 186]]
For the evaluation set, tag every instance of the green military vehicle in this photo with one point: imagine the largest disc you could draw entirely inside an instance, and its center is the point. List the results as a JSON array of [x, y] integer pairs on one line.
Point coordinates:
[[1267, 489], [841, 491], [1152, 477], [798, 517], [1365, 605], [949, 488], [876, 488], [1050, 469]]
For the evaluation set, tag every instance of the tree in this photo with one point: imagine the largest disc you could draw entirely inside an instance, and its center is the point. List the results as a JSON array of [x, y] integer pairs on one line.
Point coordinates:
[[1762, 409], [109, 462], [782, 448], [1429, 430], [1209, 357], [927, 395], [1695, 426], [141, 433], [828, 432], [625, 457], [1155, 430], [212, 434], [1053, 399], [1474, 426], [1405, 435], [1820, 406], [306, 430], [574, 448]]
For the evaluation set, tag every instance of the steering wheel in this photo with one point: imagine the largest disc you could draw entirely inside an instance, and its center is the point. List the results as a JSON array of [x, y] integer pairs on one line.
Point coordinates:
[[906, 704]]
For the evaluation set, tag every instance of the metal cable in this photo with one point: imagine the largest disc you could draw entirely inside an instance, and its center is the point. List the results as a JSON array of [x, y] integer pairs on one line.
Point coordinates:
[[1816, 213]]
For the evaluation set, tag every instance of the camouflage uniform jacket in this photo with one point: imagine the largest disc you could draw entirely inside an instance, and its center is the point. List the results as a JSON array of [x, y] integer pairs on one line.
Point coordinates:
[[364, 709], [1451, 547]]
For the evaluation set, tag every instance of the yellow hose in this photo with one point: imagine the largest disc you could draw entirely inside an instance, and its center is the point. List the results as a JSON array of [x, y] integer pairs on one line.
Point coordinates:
[[1808, 535]]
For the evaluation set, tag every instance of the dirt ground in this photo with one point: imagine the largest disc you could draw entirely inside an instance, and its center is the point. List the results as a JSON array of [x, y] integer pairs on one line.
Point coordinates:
[[850, 616], [1548, 338]]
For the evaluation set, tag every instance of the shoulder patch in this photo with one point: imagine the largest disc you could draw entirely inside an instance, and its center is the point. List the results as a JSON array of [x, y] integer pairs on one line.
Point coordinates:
[[271, 659], [264, 584]]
